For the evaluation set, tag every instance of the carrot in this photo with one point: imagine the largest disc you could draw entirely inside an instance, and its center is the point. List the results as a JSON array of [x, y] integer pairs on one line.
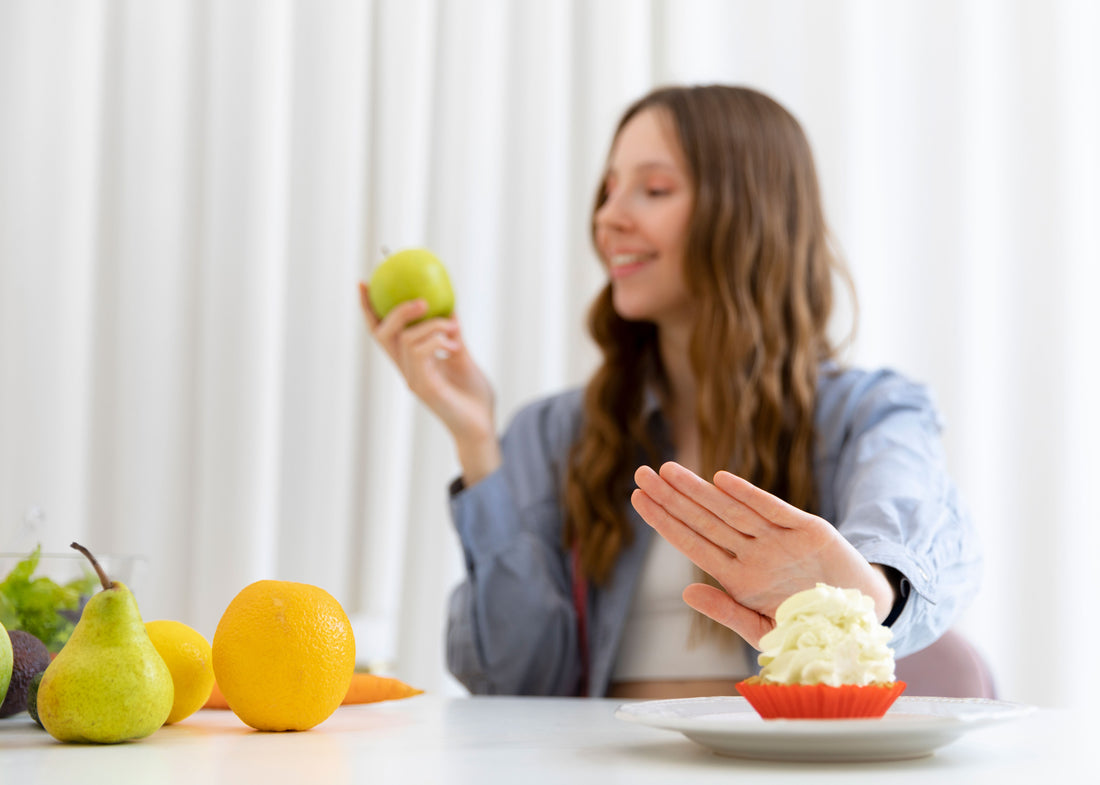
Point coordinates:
[[364, 688], [368, 688], [216, 699]]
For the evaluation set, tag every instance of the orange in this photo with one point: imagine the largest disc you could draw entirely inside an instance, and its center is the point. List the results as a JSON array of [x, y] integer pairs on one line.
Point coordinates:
[[284, 654], [187, 654]]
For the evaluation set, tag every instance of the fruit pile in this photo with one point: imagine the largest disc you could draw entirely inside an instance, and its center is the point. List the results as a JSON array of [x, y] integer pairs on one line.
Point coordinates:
[[283, 658], [283, 655]]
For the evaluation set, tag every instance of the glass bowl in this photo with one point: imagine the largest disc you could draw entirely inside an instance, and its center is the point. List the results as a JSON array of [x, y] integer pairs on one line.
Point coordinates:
[[22, 608]]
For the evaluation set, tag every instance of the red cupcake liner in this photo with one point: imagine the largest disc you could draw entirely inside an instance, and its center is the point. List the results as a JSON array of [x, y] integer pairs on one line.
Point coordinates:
[[819, 701]]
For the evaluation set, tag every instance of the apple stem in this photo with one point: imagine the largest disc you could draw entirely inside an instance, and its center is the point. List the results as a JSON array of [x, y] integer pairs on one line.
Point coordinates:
[[107, 582]]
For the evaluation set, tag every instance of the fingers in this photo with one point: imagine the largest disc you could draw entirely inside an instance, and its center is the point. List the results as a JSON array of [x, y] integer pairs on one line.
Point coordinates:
[[429, 343], [682, 520], [364, 304], [703, 552], [401, 317], [703, 506], [717, 558], [419, 350], [716, 604], [405, 338], [398, 317], [765, 505]]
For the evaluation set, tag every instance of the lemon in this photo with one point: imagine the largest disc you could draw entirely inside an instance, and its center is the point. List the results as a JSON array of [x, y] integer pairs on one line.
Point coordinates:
[[187, 654], [284, 654]]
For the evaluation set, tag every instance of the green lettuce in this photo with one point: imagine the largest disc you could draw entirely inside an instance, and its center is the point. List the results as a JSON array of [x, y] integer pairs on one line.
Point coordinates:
[[41, 606]]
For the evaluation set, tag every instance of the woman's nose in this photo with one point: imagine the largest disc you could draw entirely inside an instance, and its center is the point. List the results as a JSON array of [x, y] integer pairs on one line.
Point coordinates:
[[613, 213]]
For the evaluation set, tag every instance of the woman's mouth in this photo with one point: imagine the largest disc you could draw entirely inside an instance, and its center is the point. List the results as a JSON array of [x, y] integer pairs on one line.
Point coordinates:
[[621, 264]]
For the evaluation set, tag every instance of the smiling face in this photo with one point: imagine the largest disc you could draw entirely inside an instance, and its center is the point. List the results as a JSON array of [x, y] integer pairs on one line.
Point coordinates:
[[642, 221]]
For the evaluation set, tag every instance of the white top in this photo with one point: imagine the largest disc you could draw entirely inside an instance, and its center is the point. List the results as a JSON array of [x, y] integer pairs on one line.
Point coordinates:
[[658, 640]]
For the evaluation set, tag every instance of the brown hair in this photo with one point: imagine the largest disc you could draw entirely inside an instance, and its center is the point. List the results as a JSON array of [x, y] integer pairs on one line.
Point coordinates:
[[759, 264]]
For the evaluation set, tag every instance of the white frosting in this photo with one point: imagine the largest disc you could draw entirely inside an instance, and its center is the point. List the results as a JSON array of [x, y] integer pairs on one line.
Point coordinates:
[[827, 635]]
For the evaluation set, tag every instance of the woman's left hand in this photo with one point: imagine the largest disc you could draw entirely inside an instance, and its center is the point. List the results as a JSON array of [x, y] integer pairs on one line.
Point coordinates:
[[757, 546]]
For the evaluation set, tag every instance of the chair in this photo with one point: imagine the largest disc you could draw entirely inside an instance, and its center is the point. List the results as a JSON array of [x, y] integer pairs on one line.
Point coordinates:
[[949, 668]]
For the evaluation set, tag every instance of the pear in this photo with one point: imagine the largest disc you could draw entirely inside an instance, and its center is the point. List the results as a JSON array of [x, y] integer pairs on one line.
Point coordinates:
[[108, 683]]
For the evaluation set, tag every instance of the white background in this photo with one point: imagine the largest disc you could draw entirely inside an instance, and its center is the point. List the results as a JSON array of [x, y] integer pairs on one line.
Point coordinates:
[[190, 190]]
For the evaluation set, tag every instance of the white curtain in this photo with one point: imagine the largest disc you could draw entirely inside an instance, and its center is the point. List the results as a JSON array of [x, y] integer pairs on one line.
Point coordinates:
[[190, 190]]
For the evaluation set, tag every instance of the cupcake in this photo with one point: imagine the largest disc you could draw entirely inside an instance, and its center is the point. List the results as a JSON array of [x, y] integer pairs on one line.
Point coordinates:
[[826, 658]]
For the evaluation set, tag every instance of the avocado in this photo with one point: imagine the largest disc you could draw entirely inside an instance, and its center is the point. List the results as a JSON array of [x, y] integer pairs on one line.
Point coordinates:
[[29, 657], [32, 698]]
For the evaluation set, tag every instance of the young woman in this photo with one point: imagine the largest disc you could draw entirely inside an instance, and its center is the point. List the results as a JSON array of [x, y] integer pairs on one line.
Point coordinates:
[[777, 468]]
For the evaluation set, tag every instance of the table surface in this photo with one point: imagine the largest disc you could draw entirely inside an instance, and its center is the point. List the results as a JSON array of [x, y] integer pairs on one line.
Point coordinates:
[[486, 740]]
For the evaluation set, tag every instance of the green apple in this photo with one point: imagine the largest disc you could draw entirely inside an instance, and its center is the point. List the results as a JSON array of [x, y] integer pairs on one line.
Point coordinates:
[[7, 660], [414, 273]]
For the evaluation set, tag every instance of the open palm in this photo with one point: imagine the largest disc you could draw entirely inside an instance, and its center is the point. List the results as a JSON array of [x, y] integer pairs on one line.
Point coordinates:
[[759, 548]]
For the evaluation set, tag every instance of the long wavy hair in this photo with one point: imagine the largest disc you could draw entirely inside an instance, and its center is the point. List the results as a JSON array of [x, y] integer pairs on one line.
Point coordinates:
[[760, 266]]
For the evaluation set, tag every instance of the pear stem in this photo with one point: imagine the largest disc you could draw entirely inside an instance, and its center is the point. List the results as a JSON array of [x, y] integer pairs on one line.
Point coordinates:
[[107, 582]]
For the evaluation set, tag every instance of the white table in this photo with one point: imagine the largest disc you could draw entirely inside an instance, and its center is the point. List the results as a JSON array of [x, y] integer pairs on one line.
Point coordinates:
[[482, 741]]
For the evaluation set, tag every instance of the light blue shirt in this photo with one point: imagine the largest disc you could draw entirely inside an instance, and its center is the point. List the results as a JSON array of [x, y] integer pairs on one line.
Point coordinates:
[[882, 481]]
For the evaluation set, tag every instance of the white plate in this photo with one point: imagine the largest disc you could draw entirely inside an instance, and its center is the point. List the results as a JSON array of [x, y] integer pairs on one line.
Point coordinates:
[[912, 728]]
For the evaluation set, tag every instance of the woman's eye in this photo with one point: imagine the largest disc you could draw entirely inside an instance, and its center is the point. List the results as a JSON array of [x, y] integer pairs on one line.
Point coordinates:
[[655, 191]]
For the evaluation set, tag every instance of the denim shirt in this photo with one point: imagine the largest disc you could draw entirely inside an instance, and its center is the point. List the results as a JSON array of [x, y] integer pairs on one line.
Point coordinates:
[[882, 481]]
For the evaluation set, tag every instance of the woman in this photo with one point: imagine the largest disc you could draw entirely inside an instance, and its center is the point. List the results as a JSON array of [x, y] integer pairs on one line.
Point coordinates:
[[716, 364]]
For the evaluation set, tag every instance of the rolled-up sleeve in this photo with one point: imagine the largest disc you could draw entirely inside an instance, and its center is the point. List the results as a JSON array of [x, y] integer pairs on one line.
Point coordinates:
[[887, 489], [511, 625]]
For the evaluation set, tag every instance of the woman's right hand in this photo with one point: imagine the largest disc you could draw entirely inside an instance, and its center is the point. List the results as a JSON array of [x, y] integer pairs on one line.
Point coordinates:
[[439, 370]]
